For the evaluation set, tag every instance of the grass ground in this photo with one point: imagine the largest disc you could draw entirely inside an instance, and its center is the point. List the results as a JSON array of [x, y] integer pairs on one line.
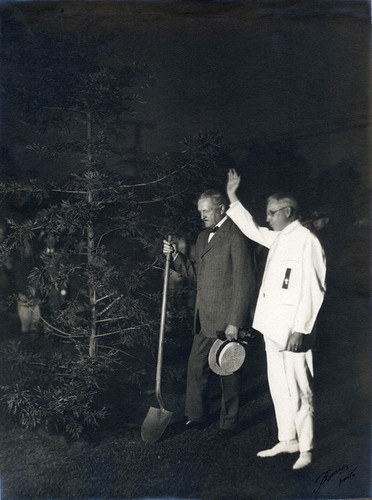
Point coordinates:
[[114, 463]]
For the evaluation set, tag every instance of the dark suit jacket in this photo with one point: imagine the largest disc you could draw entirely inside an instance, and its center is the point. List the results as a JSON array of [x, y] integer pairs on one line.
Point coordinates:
[[225, 279]]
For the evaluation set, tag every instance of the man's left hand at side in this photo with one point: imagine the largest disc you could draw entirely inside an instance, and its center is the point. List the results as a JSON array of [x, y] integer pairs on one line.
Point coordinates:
[[231, 332], [295, 342]]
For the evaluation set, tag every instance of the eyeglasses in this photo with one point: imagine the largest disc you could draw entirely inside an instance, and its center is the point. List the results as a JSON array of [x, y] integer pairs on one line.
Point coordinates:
[[270, 213]]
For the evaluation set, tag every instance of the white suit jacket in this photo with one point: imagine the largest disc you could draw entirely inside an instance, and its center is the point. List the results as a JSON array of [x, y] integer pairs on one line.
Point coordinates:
[[293, 283]]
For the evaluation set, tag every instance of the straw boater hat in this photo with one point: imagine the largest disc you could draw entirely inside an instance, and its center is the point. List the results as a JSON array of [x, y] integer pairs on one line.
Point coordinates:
[[226, 357]]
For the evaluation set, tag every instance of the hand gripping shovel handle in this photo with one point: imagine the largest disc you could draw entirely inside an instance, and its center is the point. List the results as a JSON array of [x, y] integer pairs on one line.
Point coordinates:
[[162, 328]]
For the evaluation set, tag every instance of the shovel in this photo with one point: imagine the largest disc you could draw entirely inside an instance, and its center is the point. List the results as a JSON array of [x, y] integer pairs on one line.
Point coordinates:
[[157, 419]]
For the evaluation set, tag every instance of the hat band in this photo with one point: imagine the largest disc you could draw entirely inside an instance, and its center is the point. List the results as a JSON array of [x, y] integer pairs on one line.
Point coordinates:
[[219, 351]]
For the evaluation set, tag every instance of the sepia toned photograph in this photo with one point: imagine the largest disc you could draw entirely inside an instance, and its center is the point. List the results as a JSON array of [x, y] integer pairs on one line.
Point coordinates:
[[185, 231]]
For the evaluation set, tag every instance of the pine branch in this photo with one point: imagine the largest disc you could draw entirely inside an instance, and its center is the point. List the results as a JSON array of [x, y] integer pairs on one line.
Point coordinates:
[[152, 265], [105, 297], [156, 181], [164, 198], [109, 306], [64, 334], [123, 330], [106, 233], [65, 191], [107, 334], [109, 320], [114, 349]]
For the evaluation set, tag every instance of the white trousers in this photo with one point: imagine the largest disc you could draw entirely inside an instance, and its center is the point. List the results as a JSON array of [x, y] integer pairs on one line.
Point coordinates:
[[290, 376]]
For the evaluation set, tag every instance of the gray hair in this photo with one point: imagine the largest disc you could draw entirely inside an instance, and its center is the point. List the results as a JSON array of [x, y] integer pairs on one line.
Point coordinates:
[[287, 199], [216, 196]]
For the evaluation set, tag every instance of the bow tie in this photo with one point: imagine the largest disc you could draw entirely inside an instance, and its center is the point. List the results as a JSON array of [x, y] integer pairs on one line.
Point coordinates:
[[213, 229]]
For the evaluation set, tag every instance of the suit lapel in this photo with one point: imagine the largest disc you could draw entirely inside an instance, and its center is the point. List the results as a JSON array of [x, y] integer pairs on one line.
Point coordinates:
[[218, 236]]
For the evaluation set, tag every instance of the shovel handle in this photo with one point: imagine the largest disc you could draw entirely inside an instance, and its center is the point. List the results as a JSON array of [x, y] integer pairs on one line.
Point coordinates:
[[162, 328]]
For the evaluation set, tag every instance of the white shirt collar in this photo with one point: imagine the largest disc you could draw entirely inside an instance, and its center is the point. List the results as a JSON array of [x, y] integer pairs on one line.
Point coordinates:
[[221, 221], [210, 236], [291, 226]]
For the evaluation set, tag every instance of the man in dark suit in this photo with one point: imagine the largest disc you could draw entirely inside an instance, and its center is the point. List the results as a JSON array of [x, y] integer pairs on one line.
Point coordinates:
[[224, 274]]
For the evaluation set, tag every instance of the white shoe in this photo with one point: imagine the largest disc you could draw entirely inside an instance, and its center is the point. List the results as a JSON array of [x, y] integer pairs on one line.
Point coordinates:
[[281, 447], [304, 460]]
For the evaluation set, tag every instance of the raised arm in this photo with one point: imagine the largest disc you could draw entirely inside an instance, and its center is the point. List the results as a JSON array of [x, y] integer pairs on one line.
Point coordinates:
[[242, 218], [233, 181]]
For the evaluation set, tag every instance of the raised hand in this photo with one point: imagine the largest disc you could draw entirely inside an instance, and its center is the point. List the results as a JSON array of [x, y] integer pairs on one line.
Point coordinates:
[[233, 181]]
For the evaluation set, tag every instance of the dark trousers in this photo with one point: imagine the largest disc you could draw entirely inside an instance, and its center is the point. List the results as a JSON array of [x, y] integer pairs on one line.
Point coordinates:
[[198, 372]]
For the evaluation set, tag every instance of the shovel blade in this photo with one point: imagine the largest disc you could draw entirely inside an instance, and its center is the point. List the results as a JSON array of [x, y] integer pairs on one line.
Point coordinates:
[[155, 423]]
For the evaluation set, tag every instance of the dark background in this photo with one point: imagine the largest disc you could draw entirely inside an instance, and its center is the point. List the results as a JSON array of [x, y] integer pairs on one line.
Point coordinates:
[[287, 84], [288, 73]]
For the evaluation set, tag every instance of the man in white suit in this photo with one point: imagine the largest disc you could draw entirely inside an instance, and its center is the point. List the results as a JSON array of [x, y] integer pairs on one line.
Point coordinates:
[[290, 297]]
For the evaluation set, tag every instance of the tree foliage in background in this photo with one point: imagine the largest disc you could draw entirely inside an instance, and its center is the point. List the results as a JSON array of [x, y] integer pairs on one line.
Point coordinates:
[[98, 282], [55, 390]]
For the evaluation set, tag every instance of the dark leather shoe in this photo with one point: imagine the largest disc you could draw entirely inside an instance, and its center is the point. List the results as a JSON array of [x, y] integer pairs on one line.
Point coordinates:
[[196, 424]]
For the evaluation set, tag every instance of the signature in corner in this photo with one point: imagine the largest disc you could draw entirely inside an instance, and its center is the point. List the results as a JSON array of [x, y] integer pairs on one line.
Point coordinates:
[[341, 474]]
